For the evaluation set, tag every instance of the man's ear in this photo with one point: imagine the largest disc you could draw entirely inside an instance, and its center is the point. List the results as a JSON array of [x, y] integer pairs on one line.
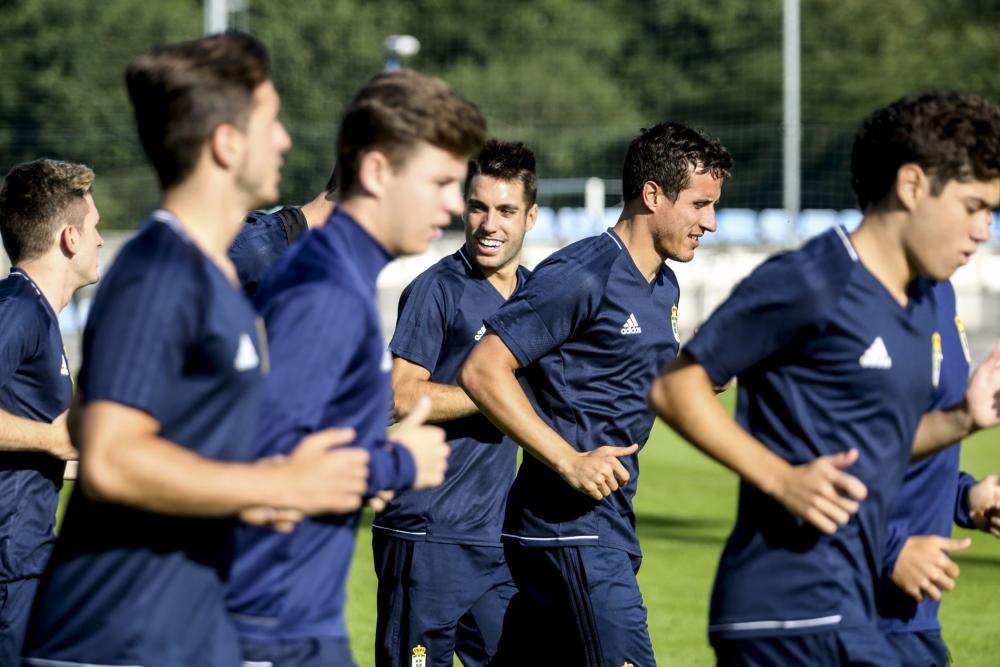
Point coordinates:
[[652, 195], [225, 145], [531, 218], [912, 184], [69, 240], [374, 172]]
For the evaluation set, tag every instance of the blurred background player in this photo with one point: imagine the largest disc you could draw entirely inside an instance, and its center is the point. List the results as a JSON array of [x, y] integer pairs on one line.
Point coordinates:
[[443, 579], [836, 364], [170, 382], [591, 328], [917, 568], [402, 147], [266, 235], [48, 221]]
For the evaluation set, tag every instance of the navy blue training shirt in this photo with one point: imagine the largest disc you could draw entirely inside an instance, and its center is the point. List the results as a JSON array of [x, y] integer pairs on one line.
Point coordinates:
[[329, 368], [34, 384], [441, 316], [265, 236], [169, 335], [827, 361], [591, 335], [934, 492]]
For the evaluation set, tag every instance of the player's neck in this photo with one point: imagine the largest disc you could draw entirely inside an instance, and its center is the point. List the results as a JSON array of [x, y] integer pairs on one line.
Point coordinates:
[[635, 234], [53, 277], [210, 217], [370, 216], [879, 247], [319, 209], [503, 278]]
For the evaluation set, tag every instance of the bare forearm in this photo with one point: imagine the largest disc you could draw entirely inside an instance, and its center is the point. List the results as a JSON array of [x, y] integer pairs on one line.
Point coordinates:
[[18, 434], [499, 396], [685, 399], [941, 428], [156, 475], [447, 401]]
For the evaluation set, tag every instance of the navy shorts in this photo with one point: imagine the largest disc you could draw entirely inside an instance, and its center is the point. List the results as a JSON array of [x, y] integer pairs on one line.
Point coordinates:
[[437, 600], [838, 647], [576, 606], [921, 649], [298, 653], [15, 612]]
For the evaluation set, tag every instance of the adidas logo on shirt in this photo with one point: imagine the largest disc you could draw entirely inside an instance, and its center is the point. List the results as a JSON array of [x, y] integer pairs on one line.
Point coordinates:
[[64, 368], [631, 326], [246, 355], [876, 356], [481, 332]]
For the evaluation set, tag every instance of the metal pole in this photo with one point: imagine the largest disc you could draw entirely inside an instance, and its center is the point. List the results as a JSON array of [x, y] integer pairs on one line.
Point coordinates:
[[792, 191], [215, 16]]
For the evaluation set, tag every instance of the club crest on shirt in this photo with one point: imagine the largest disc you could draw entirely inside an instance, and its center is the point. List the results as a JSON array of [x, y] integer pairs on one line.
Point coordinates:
[[627, 663], [937, 356], [419, 656], [673, 326], [964, 339]]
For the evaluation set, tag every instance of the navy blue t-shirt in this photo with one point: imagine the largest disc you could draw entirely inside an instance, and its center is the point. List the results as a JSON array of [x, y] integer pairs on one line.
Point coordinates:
[[827, 360], [591, 335], [934, 492], [169, 335], [265, 236], [34, 384], [441, 316], [329, 368]]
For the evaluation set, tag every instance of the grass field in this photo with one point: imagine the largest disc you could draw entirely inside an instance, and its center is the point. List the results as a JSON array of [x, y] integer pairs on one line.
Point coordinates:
[[685, 507]]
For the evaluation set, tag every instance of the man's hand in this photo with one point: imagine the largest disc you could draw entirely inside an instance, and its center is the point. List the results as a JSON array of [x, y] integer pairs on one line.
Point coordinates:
[[599, 473], [426, 445], [821, 493], [982, 396], [59, 444], [325, 477], [923, 567], [984, 504], [381, 500]]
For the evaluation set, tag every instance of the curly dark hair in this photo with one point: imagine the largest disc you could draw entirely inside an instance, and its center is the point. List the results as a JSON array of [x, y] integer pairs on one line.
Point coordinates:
[[666, 154], [506, 161], [951, 136]]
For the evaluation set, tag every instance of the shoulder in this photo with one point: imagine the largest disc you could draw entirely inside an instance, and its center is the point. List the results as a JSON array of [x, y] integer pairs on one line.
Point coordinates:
[[585, 262], [448, 277], [819, 271]]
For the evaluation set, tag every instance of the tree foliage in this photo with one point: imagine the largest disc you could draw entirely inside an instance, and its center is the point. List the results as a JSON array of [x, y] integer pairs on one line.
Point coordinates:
[[574, 79]]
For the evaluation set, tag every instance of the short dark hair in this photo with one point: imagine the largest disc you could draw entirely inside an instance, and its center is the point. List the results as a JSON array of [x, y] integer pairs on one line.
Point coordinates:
[[951, 136], [666, 154], [181, 92], [36, 199], [394, 111], [506, 161]]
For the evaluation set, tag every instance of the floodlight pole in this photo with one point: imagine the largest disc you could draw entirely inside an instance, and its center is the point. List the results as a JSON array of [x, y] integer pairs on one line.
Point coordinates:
[[215, 16], [792, 190]]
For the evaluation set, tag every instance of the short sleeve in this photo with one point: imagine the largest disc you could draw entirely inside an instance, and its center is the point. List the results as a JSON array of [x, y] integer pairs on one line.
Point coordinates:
[[556, 300], [424, 314], [138, 334], [783, 302], [18, 337]]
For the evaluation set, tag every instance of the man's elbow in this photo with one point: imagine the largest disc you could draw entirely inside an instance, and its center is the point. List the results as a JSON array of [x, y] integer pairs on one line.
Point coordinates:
[[472, 377], [101, 480], [682, 378]]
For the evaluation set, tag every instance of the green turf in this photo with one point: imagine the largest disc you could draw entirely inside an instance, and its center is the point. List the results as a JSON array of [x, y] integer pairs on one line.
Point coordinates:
[[685, 507]]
